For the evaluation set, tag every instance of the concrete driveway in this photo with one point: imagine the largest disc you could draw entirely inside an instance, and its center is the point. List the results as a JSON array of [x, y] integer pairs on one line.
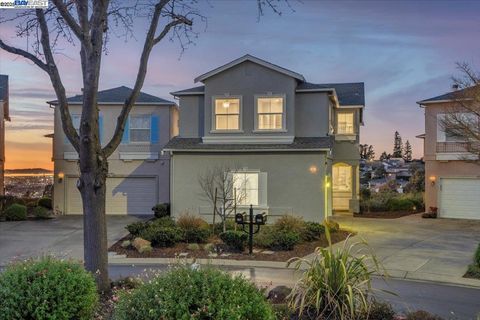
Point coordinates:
[[62, 237], [420, 249]]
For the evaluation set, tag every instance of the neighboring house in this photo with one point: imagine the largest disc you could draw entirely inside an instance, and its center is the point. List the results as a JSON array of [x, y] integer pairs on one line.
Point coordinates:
[[138, 171], [4, 116], [293, 145], [452, 184]]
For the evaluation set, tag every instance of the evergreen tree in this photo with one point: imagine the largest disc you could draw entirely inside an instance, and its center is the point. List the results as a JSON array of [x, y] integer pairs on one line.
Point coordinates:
[[384, 156], [370, 153], [397, 146], [366, 152], [407, 153]]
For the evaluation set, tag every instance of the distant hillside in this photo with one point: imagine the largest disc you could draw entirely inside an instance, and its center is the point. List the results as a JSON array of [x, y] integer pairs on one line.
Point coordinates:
[[28, 171]]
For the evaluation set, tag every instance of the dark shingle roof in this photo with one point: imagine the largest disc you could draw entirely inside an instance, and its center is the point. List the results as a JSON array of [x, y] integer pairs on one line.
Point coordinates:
[[299, 143], [349, 94], [458, 94], [3, 87], [118, 95]]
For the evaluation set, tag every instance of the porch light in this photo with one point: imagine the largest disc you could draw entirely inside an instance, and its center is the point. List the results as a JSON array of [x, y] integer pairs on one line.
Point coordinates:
[[60, 177], [313, 169], [226, 104], [432, 180]]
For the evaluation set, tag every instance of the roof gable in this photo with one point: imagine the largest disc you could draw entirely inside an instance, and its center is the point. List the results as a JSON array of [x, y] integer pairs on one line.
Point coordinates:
[[253, 59], [118, 95], [461, 94]]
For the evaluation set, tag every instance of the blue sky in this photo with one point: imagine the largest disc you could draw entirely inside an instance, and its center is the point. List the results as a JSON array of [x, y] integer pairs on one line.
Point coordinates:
[[404, 51]]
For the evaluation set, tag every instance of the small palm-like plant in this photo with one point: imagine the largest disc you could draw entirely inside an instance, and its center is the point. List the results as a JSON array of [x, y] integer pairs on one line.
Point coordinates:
[[336, 283]]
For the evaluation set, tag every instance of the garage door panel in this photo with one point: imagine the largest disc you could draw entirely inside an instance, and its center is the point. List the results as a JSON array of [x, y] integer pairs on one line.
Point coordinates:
[[460, 198], [131, 195]]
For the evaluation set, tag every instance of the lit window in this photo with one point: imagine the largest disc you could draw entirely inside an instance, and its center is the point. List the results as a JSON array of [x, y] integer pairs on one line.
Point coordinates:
[[246, 186], [342, 178], [140, 128], [227, 114], [270, 113], [345, 123]]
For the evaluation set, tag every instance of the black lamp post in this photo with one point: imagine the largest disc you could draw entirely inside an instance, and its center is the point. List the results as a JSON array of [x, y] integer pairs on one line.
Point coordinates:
[[258, 220]]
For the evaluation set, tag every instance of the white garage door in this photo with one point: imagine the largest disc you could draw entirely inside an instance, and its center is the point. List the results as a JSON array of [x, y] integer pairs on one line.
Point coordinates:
[[460, 198], [132, 195]]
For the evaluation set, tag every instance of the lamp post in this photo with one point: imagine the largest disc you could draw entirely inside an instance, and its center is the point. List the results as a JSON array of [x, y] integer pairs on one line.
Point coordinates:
[[259, 220]]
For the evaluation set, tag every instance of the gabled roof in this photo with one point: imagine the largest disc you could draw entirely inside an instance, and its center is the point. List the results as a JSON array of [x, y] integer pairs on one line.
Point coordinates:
[[348, 94], [190, 92], [446, 97], [253, 59], [4, 95], [298, 144], [118, 96]]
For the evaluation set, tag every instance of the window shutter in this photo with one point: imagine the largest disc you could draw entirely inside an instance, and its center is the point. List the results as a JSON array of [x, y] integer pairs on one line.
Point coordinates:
[[262, 189], [154, 129], [126, 132], [100, 128], [440, 132]]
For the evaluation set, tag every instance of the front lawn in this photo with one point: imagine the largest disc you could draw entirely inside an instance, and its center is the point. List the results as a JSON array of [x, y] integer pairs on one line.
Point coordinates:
[[192, 237]]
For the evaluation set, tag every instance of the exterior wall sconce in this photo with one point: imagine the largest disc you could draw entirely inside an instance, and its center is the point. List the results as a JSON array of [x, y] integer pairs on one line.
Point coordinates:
[[432, 179], [60, 177], [313, 169]]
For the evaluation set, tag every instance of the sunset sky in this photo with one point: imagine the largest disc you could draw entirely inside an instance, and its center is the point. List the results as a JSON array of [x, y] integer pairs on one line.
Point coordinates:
[[404, 51]]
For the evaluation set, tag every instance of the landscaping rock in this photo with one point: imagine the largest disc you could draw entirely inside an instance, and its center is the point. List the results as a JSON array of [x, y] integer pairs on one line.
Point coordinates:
[[268, 252], [142, 245], [193, 246], [278, 294], [183, 254], [212, 255], [225, 255], [126, 244]]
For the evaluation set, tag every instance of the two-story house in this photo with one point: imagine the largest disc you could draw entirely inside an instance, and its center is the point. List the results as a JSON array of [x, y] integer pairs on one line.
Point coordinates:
[[452, 174], [138, 170], [4, 116], [292, 145]]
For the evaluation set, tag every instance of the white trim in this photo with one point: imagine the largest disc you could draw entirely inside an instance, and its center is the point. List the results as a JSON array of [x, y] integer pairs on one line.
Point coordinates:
[[138, 156], [248, 139], [284, 112], [247, 150], [240, 114], [446, 156], [442, 101], [353, 106], [253, 59], [345, 137]]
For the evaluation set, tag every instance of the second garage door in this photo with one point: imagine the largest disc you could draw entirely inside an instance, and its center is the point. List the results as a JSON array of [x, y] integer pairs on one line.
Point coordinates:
[[460, 198], [131, 195]]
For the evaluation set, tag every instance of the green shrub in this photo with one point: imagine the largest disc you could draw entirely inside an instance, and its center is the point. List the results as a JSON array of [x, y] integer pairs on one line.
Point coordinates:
[[400, 204], [16, 212], [47, 289], [476, 257], [136, 228], [194, 228], [189, 294], [365, 193], [236, 240], [229, 224], [288, 223], [473, 271], [162, 222], [378, 311], [264, 238], [331, 225], [45, 202], [422, 315], [284, 240], [313, 231], [41, 212], [334, 284], [161, 210], [161, 236]]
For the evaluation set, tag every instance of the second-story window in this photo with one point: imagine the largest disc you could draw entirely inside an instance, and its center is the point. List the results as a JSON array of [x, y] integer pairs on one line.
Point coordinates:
[[270, 113], [140, 128], [227, 114], [345, 123]]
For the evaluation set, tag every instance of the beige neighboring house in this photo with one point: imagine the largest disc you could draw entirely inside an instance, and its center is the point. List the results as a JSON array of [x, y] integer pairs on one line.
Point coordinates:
[[138, 171], [452, 180], [293, 144], [4, 116]]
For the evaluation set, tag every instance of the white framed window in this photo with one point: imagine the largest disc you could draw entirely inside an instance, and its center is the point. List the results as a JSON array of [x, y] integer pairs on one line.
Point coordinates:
[[270, 113], [246, 185], [227, 114], [140, 127], [345, 123], [342, 177]]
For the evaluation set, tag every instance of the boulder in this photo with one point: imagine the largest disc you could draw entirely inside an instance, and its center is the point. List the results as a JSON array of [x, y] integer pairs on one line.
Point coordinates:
[[142, 245], [278, 294]]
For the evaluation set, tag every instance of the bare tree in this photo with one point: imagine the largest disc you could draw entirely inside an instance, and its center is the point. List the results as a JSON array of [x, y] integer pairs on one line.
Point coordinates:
[[220, 187], [461, 122], [88, 23]]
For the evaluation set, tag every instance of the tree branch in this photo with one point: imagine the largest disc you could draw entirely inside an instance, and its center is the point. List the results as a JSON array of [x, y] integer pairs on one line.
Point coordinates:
[[63, 10], [24, 54]]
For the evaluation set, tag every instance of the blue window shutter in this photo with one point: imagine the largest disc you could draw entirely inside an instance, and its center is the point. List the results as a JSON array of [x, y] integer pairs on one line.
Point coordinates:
[[154, 133], [126, 132], [100, 128]]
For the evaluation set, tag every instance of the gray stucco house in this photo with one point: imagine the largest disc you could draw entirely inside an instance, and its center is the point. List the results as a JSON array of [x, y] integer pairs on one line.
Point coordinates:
[[139, 172], [293, 144]]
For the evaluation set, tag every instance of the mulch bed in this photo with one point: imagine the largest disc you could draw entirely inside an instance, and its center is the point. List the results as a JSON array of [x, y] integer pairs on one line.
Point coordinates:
[[300, 250], [384, 214]]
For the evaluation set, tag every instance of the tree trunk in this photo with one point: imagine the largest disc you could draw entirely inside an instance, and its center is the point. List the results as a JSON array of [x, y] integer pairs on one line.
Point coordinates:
[[92, 186]]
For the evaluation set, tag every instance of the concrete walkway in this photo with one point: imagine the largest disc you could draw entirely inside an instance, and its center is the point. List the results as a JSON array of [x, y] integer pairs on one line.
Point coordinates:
[[61, 237]]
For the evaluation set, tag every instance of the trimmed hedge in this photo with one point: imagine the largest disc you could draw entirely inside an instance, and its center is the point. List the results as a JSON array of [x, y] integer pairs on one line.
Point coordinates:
[[16, 212], [41, 212], [236, 240], [45, 202], [161, 210], [47, 289]]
